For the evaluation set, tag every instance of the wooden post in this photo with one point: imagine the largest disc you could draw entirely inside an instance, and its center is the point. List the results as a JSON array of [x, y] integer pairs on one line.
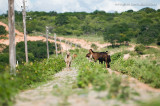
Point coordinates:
[[12, 47], [66, 44], [47, 42], [24, 26], [71, 45], [61, 47], [55, 43]]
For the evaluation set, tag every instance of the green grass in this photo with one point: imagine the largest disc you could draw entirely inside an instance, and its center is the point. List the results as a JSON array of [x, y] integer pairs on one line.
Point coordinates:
[[116, 49], [89, 38], [153, 102]]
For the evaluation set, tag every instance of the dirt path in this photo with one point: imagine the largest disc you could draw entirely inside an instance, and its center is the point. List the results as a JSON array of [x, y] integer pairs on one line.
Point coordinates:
[[84, 44], [61, 92], [50, 94]]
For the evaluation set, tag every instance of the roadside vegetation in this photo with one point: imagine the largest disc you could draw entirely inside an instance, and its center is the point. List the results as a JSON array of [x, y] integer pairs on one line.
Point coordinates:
[[37, 51], [144, 65], [95, 76], [37, 71], [28, 76]]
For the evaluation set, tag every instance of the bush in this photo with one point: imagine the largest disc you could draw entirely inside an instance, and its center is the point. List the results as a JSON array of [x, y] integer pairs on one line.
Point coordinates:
[[140, 49], [94, 46], [8, 89], [116, 56], [158, 41], [27, 76], [36, 51], [2, 30]]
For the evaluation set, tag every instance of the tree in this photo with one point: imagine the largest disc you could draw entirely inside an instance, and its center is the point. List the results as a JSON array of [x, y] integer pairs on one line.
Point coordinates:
[[61, 20], [2, 30], [148, 10]]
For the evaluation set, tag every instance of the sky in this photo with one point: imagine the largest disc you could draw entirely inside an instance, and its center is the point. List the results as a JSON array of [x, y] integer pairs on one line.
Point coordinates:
[[61, 6]]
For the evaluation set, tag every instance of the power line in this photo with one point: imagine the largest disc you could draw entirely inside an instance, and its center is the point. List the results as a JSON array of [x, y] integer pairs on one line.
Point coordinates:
[[18, 7]]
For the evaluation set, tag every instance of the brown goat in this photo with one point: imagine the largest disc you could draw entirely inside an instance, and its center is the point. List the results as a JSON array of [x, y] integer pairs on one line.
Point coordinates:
[[74, 56], [101, 56], [68, 60]]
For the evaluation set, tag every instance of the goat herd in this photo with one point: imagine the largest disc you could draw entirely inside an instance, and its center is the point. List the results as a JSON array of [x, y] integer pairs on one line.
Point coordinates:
[[101, 56]]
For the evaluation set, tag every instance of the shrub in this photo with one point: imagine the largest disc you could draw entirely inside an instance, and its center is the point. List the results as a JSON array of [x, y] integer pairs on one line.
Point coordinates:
[[8, 89], [139, 49], [116, 56], [2, 30], [158, 41], [94, 46], [36, 51]]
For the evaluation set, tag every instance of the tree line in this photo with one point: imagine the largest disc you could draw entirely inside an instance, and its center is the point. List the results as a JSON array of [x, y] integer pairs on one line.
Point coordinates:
[[142, 25]]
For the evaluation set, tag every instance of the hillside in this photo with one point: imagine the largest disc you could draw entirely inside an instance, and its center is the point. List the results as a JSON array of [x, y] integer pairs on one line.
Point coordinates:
[[120, 27], [129, 39], [20, 37]]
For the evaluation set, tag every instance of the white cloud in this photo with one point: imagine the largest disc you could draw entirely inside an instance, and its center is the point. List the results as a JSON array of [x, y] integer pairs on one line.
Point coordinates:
[[73, 5], [158, 6], [114, 6], [3, 6]]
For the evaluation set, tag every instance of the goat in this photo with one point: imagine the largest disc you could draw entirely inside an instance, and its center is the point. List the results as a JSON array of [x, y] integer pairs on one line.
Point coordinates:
[[68, 60], [101, 56], [74, 56], [89, 57]]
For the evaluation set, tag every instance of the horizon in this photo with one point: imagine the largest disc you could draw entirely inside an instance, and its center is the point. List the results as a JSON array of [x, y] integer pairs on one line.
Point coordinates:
[[61, 6]]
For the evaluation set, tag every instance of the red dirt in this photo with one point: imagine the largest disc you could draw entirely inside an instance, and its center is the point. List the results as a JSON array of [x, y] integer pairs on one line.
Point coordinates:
[[19, 37]]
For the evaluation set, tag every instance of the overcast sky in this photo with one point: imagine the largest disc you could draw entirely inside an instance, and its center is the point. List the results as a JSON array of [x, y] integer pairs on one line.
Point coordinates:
[[81, 5]]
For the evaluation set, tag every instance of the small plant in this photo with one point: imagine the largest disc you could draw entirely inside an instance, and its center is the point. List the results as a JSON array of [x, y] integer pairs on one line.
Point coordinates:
[[94, 46], [140, 49]]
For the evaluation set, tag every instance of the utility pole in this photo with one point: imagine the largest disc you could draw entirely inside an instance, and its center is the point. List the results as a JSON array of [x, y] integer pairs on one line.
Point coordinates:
[[55, 43], [24, 26], [47, 42], [12, 47]]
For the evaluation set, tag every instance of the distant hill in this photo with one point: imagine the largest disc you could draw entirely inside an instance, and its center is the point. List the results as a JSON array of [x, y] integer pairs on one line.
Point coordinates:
[[142, 25]]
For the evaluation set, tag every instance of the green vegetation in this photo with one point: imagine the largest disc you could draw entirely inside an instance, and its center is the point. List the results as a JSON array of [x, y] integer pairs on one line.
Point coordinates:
[[143, 25], [28, 76], [158, 41], [36, 51], [153, 102], [94, 75], [2, 30], [94, 46], [145, 69], [139, 49]]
